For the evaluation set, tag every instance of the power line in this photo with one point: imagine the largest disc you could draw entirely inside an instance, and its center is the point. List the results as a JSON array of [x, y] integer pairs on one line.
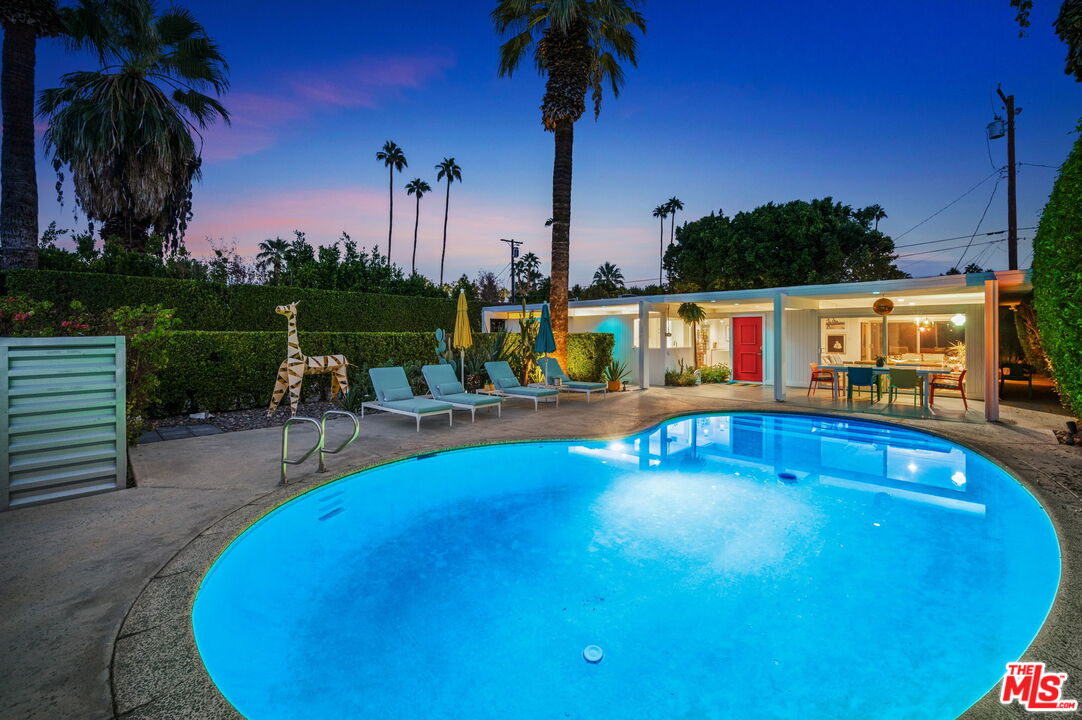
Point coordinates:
[[1054, 167], [956, 237], [979, 222], [956, 247], [952, 202]]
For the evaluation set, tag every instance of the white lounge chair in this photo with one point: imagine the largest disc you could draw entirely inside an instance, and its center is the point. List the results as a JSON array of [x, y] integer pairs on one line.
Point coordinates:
[[394, 395], [508, 385], [446, 388], [551, 368]]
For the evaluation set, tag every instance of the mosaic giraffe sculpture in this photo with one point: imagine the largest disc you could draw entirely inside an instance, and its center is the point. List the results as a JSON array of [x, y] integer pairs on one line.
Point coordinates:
[[296, 365]]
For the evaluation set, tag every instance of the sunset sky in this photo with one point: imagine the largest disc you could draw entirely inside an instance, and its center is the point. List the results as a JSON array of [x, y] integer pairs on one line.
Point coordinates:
[[732, 105]]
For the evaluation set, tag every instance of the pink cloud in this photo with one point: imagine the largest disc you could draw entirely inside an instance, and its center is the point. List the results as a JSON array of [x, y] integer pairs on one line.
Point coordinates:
[[360, 83], [474, 229], [476, 224], [258, 118]]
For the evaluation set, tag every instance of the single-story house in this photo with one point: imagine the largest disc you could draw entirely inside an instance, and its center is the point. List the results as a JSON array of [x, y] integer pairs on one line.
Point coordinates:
[[772, 333]]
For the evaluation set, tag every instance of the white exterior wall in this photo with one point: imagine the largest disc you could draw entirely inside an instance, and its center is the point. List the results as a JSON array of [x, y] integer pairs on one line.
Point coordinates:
[[801, 331]]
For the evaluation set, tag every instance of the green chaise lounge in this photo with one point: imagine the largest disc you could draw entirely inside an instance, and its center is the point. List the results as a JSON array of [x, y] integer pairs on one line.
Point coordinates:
[[446, 388], [507, 384], [551, 368], [394, 395]]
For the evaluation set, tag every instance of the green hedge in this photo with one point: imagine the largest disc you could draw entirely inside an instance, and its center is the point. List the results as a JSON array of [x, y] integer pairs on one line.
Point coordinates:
[[1057, 280], [588, 354], [214, 306], [220, 371]]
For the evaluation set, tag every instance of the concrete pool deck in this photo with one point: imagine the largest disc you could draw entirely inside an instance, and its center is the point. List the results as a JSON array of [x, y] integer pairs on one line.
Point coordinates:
[[96, 592]]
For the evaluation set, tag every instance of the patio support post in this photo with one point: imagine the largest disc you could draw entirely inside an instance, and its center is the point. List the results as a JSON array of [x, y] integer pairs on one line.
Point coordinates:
[[991, 350], [885, 349], [779, 351], [664, 339], [644, 341]]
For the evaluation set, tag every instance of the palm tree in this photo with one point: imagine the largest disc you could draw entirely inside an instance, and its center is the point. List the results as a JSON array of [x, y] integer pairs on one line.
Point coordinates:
[[393, 159], [24, 22], [692, 314], [878, 213], [450, 171], [272, 253], [125, 130], [578, 45], [609, 277], [528, 271], [672, 206], [661, 212], [417, 187]]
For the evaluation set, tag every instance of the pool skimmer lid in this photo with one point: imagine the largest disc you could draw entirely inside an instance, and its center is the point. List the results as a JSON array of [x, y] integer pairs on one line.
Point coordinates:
[[592, 654]]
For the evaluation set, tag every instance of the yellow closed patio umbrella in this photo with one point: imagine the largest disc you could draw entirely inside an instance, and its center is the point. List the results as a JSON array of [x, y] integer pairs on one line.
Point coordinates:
[[463, 337]]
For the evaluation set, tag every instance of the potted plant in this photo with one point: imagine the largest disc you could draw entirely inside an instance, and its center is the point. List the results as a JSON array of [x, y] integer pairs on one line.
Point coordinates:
[[614, 374]]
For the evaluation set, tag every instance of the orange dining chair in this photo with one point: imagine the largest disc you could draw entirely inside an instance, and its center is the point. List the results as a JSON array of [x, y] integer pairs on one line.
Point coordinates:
[[819, 377], [948, 382]]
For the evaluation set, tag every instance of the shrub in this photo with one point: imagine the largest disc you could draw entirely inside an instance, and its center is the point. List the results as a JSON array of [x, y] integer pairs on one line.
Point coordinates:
[[588, 354], [715, 373], [221, 371], [215, 306], [1057, 280], [146, 329]]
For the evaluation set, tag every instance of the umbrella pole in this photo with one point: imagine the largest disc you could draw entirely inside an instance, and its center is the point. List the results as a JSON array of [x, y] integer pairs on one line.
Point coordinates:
[[462, 364]]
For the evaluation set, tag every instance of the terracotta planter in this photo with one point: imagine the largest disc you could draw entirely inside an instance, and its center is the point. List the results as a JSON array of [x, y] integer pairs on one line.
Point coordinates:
[[614, 386]]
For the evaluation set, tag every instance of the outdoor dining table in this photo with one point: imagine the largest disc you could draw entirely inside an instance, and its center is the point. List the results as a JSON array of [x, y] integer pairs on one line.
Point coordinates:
[[925, 371]]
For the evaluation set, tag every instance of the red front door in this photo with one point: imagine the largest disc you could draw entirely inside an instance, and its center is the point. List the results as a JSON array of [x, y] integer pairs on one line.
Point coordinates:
[[748, 349]]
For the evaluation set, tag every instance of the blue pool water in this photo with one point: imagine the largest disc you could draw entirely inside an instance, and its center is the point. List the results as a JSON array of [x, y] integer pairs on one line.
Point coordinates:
[[728, 566]]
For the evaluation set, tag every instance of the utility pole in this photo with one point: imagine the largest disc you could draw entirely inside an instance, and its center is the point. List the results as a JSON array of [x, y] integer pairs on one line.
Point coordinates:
[[1012, 174], [514, 254]]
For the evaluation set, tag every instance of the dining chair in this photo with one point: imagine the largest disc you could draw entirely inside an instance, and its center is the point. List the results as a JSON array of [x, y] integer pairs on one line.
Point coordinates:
[[949, 382], [819, 377], [904, 379], [861, 377]]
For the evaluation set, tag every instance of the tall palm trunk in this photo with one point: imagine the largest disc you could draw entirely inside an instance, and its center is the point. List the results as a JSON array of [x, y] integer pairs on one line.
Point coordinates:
[[18, 177], [416, 222], [390, 217], [446, 208], [695, 344], [561, 234], [661, 256]]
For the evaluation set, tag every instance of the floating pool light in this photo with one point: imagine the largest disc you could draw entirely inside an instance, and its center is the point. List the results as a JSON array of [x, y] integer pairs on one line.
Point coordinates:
[[787, 477], [592, 654]]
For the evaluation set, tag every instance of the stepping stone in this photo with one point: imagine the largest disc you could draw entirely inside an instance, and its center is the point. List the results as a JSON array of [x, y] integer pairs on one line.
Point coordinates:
[[200, 430], [174, 433], [149, 436]]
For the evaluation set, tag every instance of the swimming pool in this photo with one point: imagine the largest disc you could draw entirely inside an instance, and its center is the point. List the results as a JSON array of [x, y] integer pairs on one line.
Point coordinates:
[[743, 565]]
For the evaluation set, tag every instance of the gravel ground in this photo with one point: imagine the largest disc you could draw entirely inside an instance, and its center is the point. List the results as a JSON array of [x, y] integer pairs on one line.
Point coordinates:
[[249, 419]]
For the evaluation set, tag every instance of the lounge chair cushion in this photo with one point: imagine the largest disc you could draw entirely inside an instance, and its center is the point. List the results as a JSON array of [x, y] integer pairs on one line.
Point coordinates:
[[579, 385], [397, 393], [506, 383], [471, 399], [420, 406], [530, 391], [452, 388]]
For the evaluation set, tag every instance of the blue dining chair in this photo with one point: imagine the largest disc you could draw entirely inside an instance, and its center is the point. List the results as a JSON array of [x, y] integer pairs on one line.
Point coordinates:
[[861, 378]]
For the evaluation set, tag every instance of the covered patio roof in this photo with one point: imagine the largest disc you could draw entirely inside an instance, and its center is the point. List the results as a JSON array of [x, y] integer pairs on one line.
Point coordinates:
[[937, 290]]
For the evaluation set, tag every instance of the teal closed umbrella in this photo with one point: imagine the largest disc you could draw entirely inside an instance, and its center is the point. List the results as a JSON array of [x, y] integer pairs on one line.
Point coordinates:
[[545, 343]]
